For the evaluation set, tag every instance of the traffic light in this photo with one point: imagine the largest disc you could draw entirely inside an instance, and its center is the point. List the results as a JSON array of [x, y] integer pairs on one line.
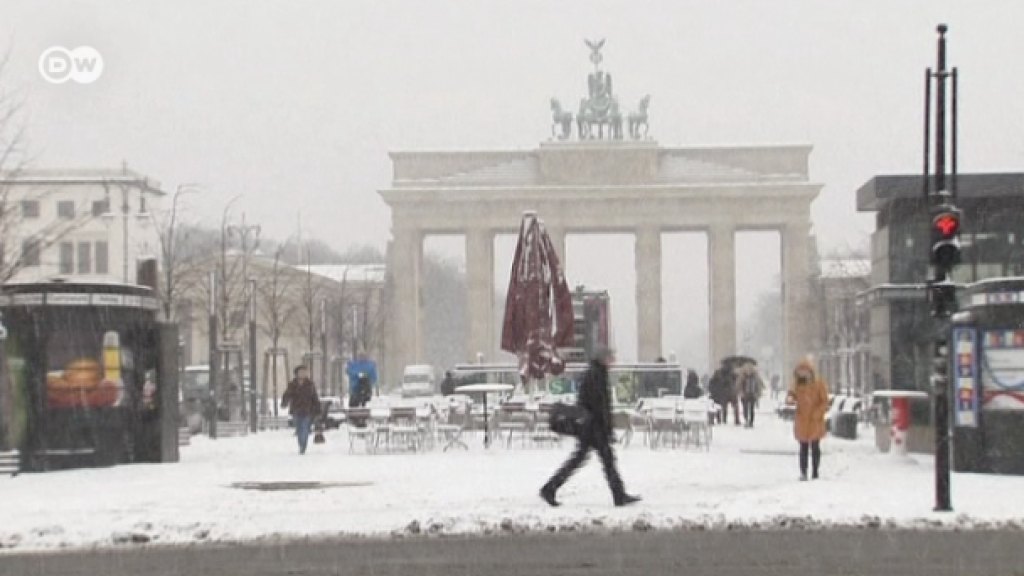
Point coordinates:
[[945, 237]]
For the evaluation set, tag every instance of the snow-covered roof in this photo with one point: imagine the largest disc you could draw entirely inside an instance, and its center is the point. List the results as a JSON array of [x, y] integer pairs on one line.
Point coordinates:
[[80, 176], [366, 273]]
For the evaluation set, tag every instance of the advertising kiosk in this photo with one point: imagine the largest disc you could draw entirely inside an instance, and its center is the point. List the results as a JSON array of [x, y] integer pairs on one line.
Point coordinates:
[[84, 379], [987, 370]]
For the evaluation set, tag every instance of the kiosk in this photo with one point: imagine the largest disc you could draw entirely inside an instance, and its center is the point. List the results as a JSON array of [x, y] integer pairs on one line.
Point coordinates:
[[987, 372], [89, 377]]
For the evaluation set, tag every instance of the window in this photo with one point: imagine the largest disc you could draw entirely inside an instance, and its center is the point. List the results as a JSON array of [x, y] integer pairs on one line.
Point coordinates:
[[101, 258], [84, 257], [30, 253], [142, 203], [100, 207], [30, 209], [66, 209], [67, 258]]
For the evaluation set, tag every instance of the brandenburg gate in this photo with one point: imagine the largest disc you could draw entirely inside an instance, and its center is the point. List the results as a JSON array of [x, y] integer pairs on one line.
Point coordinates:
[[602, 181]]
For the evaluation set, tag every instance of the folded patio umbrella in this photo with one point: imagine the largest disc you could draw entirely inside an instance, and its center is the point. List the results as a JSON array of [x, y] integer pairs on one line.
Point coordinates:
[[538, 308]]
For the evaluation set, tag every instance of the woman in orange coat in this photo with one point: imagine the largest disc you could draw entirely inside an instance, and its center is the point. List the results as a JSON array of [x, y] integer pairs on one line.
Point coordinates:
[[810, 395]]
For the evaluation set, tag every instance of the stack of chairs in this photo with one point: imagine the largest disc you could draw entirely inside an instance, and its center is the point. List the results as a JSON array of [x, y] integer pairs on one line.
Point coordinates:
[[512, 418], [358, 425], [458, 415], [665, 421]]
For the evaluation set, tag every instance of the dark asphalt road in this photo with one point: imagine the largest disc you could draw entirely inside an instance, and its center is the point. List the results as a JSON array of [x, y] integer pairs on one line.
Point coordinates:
[[821, 553]]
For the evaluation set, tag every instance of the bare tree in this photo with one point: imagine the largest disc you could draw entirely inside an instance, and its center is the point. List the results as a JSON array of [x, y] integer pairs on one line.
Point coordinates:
[[312, 293], [276, 307], [230, 284], [179, 265], [14, 159]]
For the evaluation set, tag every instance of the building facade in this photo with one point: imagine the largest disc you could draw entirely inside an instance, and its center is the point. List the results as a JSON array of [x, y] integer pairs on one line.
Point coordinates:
[[992, 238], [89, 225], [844, 351]]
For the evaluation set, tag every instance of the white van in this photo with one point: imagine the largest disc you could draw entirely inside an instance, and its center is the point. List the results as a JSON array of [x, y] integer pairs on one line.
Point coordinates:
[[418, 380]]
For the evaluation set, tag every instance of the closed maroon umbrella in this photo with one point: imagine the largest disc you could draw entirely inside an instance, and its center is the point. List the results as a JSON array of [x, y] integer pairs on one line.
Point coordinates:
[[538, 308]]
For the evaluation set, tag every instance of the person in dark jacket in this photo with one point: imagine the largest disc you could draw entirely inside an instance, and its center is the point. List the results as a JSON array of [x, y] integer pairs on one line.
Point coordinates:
[[448, 384], [693, 389], [303, 404], [594, 397]]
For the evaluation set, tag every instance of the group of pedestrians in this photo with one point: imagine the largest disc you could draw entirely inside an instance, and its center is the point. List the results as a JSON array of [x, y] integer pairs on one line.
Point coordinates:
[[808, 393], [734, 385]]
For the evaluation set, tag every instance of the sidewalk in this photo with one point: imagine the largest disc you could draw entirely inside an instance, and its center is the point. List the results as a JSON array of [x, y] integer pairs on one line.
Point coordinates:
[[749, 478]]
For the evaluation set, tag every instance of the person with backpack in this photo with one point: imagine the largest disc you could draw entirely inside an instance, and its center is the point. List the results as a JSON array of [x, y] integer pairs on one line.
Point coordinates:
[[595, 399]]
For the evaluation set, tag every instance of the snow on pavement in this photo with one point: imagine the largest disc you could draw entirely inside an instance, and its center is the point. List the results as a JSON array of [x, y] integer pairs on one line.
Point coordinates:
[[747, 479]]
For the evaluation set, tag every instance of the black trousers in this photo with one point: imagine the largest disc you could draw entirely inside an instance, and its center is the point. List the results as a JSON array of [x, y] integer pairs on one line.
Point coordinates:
[[599, 443], [734, 403], [748, 410], [815, 448]]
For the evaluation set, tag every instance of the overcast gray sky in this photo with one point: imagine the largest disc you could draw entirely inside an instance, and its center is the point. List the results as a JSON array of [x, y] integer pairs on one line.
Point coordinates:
[[296, 104]]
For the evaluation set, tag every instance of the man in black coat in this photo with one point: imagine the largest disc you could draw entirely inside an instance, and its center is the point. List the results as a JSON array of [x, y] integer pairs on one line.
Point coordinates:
[[594, 397]]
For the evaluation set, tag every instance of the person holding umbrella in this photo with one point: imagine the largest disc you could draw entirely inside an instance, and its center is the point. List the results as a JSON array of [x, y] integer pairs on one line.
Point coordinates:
[[595, 398]]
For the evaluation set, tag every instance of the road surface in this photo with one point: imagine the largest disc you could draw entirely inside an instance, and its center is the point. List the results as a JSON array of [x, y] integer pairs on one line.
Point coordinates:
[[804, 553]]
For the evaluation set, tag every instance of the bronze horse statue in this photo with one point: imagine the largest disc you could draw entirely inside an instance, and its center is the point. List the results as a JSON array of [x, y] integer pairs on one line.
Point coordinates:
[[638, 119], [560, 119]]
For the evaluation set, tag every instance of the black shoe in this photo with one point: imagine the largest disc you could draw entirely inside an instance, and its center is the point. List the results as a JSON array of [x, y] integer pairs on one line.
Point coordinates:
[[548, 494], [626, 500], [803, 476], [814, 476]]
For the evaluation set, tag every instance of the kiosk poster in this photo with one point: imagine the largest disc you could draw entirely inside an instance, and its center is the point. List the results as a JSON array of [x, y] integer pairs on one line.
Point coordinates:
[[1002, 374], [965, 378]]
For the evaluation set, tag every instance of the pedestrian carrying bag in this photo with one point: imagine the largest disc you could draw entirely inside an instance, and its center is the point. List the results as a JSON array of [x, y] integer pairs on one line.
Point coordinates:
[[569, 420]]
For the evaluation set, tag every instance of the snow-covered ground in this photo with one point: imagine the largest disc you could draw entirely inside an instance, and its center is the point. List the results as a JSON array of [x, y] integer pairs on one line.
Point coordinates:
[[749, 478]]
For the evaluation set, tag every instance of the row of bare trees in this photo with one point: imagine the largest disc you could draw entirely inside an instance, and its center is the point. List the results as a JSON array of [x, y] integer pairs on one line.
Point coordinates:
[[334, 316]]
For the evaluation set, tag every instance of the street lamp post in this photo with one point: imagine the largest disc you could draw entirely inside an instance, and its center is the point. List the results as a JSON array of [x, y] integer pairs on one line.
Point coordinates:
[[253, 379], [212, 403]]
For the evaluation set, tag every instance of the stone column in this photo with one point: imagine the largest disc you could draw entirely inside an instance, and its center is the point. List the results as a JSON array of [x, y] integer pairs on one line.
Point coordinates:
[[648, 293], [722, 292], [480, 293], [406, 261], [796, 309]]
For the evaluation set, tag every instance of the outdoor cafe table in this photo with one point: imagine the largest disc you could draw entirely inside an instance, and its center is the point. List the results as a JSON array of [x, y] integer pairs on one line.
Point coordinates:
[[485, 388]]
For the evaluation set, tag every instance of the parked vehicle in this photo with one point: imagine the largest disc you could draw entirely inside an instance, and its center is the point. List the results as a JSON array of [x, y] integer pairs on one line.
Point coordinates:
[[418, 380]]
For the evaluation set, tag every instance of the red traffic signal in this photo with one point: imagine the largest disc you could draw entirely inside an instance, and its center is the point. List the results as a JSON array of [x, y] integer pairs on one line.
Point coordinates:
[[945, 237], [947, 224]]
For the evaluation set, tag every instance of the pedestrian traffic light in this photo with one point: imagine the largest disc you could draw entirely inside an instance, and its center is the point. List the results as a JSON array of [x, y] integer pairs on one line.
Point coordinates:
[[945, 237]]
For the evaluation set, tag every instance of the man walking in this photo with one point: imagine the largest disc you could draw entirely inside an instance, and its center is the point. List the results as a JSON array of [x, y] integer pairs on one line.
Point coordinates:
[[750, 390], [595, 398], [303, 403]]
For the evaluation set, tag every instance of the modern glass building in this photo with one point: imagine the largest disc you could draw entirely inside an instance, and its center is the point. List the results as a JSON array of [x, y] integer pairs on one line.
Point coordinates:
[[992, 240]]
